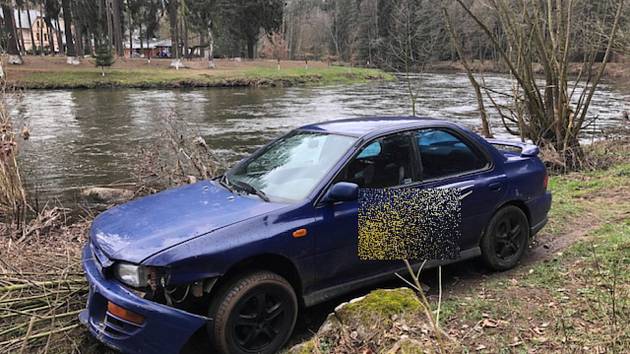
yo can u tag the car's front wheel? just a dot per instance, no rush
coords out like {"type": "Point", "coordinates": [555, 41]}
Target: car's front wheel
{"type": "Point", "coordinates": [253, 313]}
{"type": "Point", "coordinates": [505, 239]}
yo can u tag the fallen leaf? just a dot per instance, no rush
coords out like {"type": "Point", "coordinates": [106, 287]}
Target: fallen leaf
{"type": "Point", "coordinates": [515, 344]}
{"type": "Point", "coordinates": [480, 347]}
{"type": "Point", "coordinates": [488, 323]}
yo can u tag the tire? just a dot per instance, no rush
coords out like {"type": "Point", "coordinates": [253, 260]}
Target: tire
{"type": "Point", "coordinates": [506, 238]}
{"type": "Point", "coordinates": [253, 313]}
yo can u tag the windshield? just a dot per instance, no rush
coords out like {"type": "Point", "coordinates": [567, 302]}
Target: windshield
{"type": "Point", "coordinates": [291, 167]}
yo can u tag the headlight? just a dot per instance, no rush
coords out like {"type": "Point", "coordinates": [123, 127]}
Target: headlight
{"type": "Point", "coordinates": [131, 274]}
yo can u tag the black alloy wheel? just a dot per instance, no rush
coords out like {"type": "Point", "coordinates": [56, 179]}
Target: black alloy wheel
{"type": "Point", "coordinates": [259, 319]}
{"type": "Point", "coordinates": [255, 313]}
{"type": "Point", "coordinates": [506, 238]}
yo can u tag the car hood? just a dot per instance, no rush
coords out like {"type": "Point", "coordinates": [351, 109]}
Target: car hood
{"type": "Point", "coordinates": [137, 230]}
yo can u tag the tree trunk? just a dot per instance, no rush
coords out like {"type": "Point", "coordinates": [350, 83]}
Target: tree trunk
{"type": "Point", "coordinates": [250, 48]}
{"type": "Point", "coordinates": [30, 26]}
{"type": "Point", "coordinates": [58, 36]}
{"type": "Point", "coordinates": [18, 28]}
{"type": "Point", "coordinates": [9, 29]}
{"type": "Point", "coordinates": [78, 43]}
{"type": "Point", "coordinates": [117, 17]}
{"type": "Point", "coordinates": [173, 15]}
{"type": "Point", "coordinates": [41, 31]}
{"type": "Point", "coordinates": [211, 64]}
{"type": "Point", "coordinates": [185, 38]}
{"type": "Point", "coordinates": [130, 33]}
{"type": "Point", "coordinates": [71, 50]}
{"type": "Point", "coordinates": [202, 43]}
{"type": "Point", "coordinates": [49, 32]}
{"type": "Point", "coordinates": [109, 4]}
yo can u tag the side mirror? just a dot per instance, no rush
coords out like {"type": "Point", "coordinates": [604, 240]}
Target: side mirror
{"type": "Point", "coordinates": [342, 192]}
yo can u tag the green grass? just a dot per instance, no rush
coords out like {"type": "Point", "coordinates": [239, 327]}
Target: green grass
{"type": "Point", "coordinates": [582, 293]}
{"type": "Point", "coordinates": [170, 78]}
{"type": "Point", "coordinates": [576, 193]}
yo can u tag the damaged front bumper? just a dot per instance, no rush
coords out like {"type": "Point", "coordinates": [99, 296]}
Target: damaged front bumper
{"type": "Point", "coordinates": [164, 329]}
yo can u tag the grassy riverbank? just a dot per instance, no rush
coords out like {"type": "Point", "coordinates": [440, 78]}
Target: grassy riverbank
{"type": "Point", "coordinates": [54, 73]}
{"type": "Point", "coordinates": [616, 71]}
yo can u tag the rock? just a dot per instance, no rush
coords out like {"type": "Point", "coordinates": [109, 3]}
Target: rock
{"type": "Point", "coordinates": [330, 327]}
{"type": "Point", "coordinates": [107, 195]}
{"type": "Point", "coordinates": [177, 64]}
{"type": "Point", "coordinates": [15, 59]}
{"type": "Point", "coordinates": [370, 317]}
{"type": "Point", "coordinates": [25, 133]}
{"type": "Point", "coordinates": [73, 60]}
{"type": "Point", "coordinates": [303, 348]}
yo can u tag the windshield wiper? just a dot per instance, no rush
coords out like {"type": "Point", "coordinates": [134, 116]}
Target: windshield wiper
{"type": "Point", "coordinates": [223, 180]}
{"type": "Point", "coordinates": [248, 188]}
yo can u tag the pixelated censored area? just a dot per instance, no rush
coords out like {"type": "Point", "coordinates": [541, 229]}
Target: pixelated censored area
{"type": "Point", "coordinates": [409, 223]}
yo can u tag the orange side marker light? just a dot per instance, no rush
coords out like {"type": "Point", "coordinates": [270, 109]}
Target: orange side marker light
{"type": "Point", "coordinates": [124, 313]}
{"type": "Point", "coordinates": [300, 233]}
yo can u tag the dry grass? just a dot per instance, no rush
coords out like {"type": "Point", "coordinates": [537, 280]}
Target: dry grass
{"type": "Point", "coordinates": [613, 149]}
{"type": "Point", "coordinates": [13, 205]}
{"type": "Point", "coordinates": [42, 290]}
{"type": "Point", "coordinates": [179, 156]}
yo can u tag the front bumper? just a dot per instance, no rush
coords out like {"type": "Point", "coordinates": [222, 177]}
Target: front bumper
{"type": "Point", "coordinates": [164, 330]}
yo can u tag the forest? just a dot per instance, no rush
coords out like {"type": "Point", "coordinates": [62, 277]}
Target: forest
{"type": "Point", "coordinates": [359, 32]}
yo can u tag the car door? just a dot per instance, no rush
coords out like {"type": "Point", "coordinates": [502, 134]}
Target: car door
{"type": "Point", "coordinates": [386, 162]}
{"type": "Point", "coordinates": [450, 160]}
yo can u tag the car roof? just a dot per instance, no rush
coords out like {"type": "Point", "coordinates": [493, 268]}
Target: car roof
{"type": "Point", "coordinates": [369, 126]}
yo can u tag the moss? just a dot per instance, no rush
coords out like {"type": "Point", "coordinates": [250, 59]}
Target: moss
{"type": "Point", "coordinates": [411, 347]}
{"type": "Point", "coordinates": [307, 347]}
{"type": "Point", "coordinates": [382, 304]}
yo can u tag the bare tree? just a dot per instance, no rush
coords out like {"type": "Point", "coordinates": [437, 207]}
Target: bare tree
{"type": "Point", "coordinates": [541, 33]}
{"type": "Point", "coordinates": [12, 40]}
{"type": "Point", "coordinates": [279, 47]}
{"type": "Point", "coordinates": [410, 46]}
{"type": "Point", "coordinates": [456, 42]}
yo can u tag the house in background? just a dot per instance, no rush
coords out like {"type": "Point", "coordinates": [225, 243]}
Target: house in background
{"type": "Point", "coordinates": [155, 48]}
{"type": "Point", "coordinates": [42, 34]}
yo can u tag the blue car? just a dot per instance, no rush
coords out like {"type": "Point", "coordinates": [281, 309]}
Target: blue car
{"type": "Point", "coordinates": [235, 258]}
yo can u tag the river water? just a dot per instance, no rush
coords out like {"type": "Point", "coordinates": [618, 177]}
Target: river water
{"type": "Point", "coordinates": [91, 137]}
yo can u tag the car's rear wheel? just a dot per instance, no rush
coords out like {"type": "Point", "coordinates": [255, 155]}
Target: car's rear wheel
{"type": "Point", "coordinates": [505, 239]}
{"type": "Point", "coordinates": [253, 313]}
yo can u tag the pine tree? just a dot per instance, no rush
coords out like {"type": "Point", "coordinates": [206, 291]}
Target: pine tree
{"type": "Point", "coordinates": [104, 56]}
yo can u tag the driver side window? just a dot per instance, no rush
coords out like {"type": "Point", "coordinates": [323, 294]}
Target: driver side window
{"type": "Point", "coordinates": [385, 162]}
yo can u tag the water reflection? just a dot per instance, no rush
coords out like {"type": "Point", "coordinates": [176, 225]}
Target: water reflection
{"type": "Point", "coordinates": [90, 137]}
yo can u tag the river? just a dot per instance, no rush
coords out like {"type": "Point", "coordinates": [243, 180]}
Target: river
{"type": "Point", "coordinates": [91, 137]}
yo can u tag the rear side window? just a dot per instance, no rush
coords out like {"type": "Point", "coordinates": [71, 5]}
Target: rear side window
{"type": "Point", "coordinates": [445, 154]}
